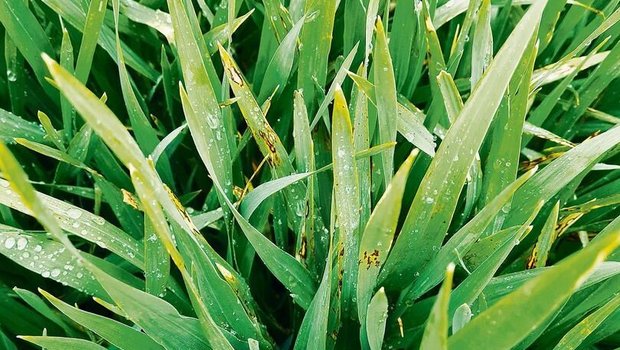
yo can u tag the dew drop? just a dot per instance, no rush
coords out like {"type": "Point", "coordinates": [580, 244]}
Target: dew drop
{"type": "Point", "coordinates": [55, 273]}
{"type": "Point", "coordinates": [74, 213]}
{"type": "Point", "coordinates": [11, 76]}
{"type": "Point", "coordinates": [9, 243]}
{"type": "Point", "coordinates": [22, 243]}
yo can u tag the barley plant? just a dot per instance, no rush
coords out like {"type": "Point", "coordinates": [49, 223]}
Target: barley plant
{"type": "Point", "coordinates": [309, 174]}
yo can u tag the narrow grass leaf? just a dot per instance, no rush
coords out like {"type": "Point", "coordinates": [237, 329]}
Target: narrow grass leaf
{"type": "Point", "coordinates": [268, 141]}
{"type": "Point", "coordinates": [409, 122]}
{"type": "Point", "coordinates": [305, 162]}
{"type": "Point", "coordinates": [313, 330]}
{"type": "Point", "coordinates": [474, 284]}
{"type": "Point", "coordinates": [548, 22]}
{"type": "Point", "coordinates": [27, 34]}
{"type": "Point", "coordinates": [504, 144]}
{"type": "Point", "coordinates": [156, 262]}
{"type": "Point", "coordinates": [159, 320]}
{"type": "Point", "coordinates": [549, 181]}
{"type": "Point", "coordinates": [205, 124]}
{"type": "Point", "coordinates": [60, 343]}
{"type": "Point", "coordinates": [90, 35]}
{"type": "Point", "coordinates": [67, 62]}
{"type": "Point", "coordinates": [544, 294]}
{"type": "Point", "coordinates": [283, 266]}
{"type": "Point", "coordinates": [42, 308]}
{"type": "Point", "coordinates": [281, 64]}
{"type": "Point", "coordinates": [378, 235]}
{"type": "Point", "coordinates": [377, 317]}
{"type": "Point", "coordinates": [346, 194]}
{"type": "Point", "coordinates": [6, 343]}
{"type": "Point", "coordinates": [51, 132]}
{"type": "Point", "coordinates": [402, 39]}
{"type": "Point", "coordinates": [73, 13]}
{"type": "Point", "coordinates": [158, 20]}
{"type": "Point", "coordinates": [47, 258]}
{"type": "Point", "coordinates": [81, 223]}
{"type": "Point", "coordinates": [145, 134]}
{"type": "Point", "coordinates": [221, 33]}
{"type": "Point", "coordinates": [31, 200]}
{"type": "Point", "coordinates": [169, 143]}
{"type": "Point", "coordinates": [338, 80]}
{"type": "Point", "coordinates": [12, 126]}
{"type": "Point", "coordinates": [15, 68]}
{"type": "Point", "coordinates": [315, 44]}
{"type": "Point", "coordinates": [454, 158]}
{"type": "Point", "coordinates": [153, 211]}
{"type": "Point", "coordinates": [545, 239]}
{"type": "Point", "coordinates": [361, 140]}
{"type": "Point", "coordinates": [385, 94]}
{"type": "Point", "coordinates": [436, 330]}
{"type": "Point", "coordinates": [564, 68]}
{"type": "Point", "coordinates": [482, 47]}
{"type": "Point", "coordinates": [117, 333]}
{"type": "Point", "coordinates": [278, 18]}
{"type": "Point", "coordinates": [590, 90]}
{"type": "Point", "coordinates": [462, 240]}
{"type": "Point", "coordinates": [574, 337]}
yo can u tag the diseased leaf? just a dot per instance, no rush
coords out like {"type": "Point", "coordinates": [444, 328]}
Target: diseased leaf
{"type": "Point", "coordinates": [544, 294]}
{"type": "Point", "coordinates": [378, 235]}
{"type": "Point", "coordinates": [347, 201]}
{"type": "Point", "coordinates": [454, 158]}
{"type": "Point", "coordinates": [587, 326]}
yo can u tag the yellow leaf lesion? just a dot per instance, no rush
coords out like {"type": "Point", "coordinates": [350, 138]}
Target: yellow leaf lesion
{"type": "Point", "coordinates": [235, 76]}
{"type": "Point", "coordinates": [271, 140]}
{"type": "Point", "coordinates": [130, 199]}
{"type": "Point", "coordinates": [370, 259]}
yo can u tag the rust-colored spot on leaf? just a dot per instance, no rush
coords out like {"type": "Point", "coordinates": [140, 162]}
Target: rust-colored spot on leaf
{"type": "Point", "coordinates": [270, 138]}
{"type": "Point", "coordinates": [182, 211]}
{"type": "Point", "coordinates": [238, 192]}
{"type": "Point", "coordinates": [532, 259]}
{"type": "Point", "coordinates": [302, 249]}
{"type": "Point", "coordinates": [235, 76]}
{"type": "Point", "coordinates": [129, 198]}
{"type": "Point", "coordinates": [567, 222]}
{"type": "Point", "coordinates": [370, 259]}
{"type": "Point", "coordinates": [530, 164]}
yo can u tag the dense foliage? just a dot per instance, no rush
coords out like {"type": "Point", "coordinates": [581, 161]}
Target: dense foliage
{"type": "Point", "coordinates": [309, 174]}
